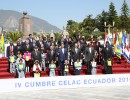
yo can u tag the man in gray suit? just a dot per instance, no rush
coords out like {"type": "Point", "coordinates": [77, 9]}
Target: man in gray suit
{"type": "Point", "coordinates": [89, 55]}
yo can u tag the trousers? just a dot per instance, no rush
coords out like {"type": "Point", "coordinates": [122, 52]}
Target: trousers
{"type": "Point", "coordinates": [52, 73]}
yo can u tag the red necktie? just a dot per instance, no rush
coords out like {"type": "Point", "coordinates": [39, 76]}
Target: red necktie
{"type": "Point", "coordinates": [11, 48]}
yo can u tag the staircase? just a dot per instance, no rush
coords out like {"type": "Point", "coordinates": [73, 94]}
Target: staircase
{"type": "Point", "coordinates": [4, 73]}
{"type": "Point", "coordinates": [119, 67]}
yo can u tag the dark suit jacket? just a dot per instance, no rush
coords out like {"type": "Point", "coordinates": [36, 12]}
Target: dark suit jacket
{"type": "Point", "coordinates": [75, 55]}
{"type": "Point", "coordinates": [63, 56]}
{"type": "Point", "coordinates": [38, 43]}
{"type": "Point", "coordinates": [51, 57]}
{"type": "Point", "coordinates": [88, 55]}
{"type": "Point", "coordinates": [25, 48]}
{"type": "Point", "coordinates": [19, 48]}
{"type": "Point", "coordinates": [30, 40]}
{"type": "Point", "coordinates": [45, 45]}
{"type": "Point", "coordinates": [107, 53]}
{"type": "Point", "coordinates": [8, 51]}
{"type": "Point", "coordinates": [36, 57]}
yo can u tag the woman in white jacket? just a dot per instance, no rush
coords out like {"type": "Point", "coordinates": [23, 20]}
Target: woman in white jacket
{"type": "Point", "coordinates": [37, 69]}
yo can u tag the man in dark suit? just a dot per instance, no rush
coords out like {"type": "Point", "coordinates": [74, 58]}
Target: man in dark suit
{"type": "Point", "coordinates": [39, 42]}
{"type": "Point", "coordinates": [107, 54]}
{"type": "Point", "coordinates": [27, 46]}
{"type": "Point", "coordinates": [30, 38]}
{"type": "Point", "coordinates": [20, 41]}
{"type": "Point", "coordinates": [10, 48]}
{"type": "Point", "coordinates": [89, 55]}
{"type": "Point", "coordinates": [51, 55]}
{"type": "Point", "coordinates": [75, 54]}
{"type": "Point", "coordinates": [36, 55]}
{"type": "Point", "coordinates": [45, 43]}
{"type": "Point", "coordinates": [18, 47]}
{"type": "Point", "coordinates": [63, 55]}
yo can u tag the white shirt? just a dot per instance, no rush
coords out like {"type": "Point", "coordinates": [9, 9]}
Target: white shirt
{"type": "Point", "coordinates": [76, 50]}
{"type": "Point", "coordinates": [90, 50]}
{"type": "Point", "coordinates": [63, 50]}
{"type": "Point", "coordinates": [35, 67]}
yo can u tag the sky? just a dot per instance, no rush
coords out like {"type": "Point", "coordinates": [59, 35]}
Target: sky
{"type": "Point", "coordinates": [58, 12]}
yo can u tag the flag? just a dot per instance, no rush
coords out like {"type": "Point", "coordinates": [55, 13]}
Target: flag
{"type": "Point", "coordinates": [120, 37]}
{"type": "Point", "coordinates": [125, 47]}
{"type": "Point", "coordinates": [123, 40]}
{"type": "Point", "coordinates": [2, 43]}
{"type": "Point", "coordinates": [116, 34]}
{"type": "Point", "coordinates": [107, 38]}
{"type": "Point", "coordinates": [117, 47]}
{"type": "Point", "coordinates": [127, 54]}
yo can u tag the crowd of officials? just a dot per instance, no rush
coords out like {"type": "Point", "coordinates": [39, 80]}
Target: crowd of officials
{"type": "Point", "coordinates": [35, 55]}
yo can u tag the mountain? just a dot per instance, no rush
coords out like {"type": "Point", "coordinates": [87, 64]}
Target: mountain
{"type": "Point", "coordinates": [10, 21]}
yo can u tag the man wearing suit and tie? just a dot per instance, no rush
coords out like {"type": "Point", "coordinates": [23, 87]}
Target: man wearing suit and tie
{"type": "Point", "coordinates": [107, 54]}
{"type": "Point", "coordinates": [39, 42]}
{"type": "Point", "coordinates": [63, 55]}
{"type": "Point", "coordinates": [89, 55]}
{"type": "Point", "coordinates": [36, 55]}
{"type": "Point", "coordinates": [75, 54]}
{"type": "Point", "coordinates": [10, 48]}
{"type": "Point", "coordinates": [51, 55]}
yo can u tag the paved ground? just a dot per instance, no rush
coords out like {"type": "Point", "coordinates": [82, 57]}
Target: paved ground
{"type": "Point", "coordinates": [98, 93]}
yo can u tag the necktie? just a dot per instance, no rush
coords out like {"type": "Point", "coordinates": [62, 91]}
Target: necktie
{"type": "Point", "coordinates": [36, 53]}
{"type": "Point", "coordinates": [76, 50]}
{"type": "Point", "coordinates": [52, 52]}
{"type": "Point", "coordinates": [11, 48]}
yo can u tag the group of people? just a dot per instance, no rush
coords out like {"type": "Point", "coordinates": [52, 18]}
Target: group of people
{"type": "Point", "coordinates": [35, 55]}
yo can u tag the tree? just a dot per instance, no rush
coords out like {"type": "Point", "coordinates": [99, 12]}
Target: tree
{"type": "Point", "coordinates": [89, 24]}
{"type": "Point", "coordinates": [101, 18]}
{"type": "Point", "coordinates": [14, 36]}
{"type": "Point", "coordinates": [124, 16]}
{"type": "Point", "coordinates": [112, 15]}
{"type": "Point", "coordinates": [72, 26]}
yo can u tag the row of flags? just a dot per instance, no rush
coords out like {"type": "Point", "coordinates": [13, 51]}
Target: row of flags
{"type": "Point", "coordinates": [120, 43]}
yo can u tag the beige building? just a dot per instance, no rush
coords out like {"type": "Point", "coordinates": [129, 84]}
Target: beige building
{"type": "Point", "coordinates": [25, 25]}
